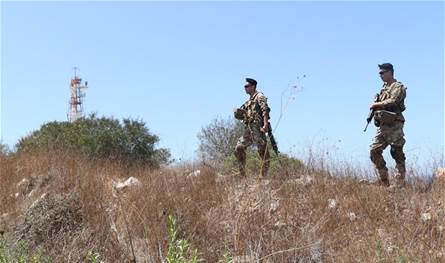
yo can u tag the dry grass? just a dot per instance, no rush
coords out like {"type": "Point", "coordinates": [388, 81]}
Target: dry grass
{"type": "Point", "coordinates": [70, 207]}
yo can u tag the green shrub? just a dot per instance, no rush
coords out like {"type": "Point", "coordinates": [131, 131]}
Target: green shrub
{"type": "Point", "coordinates": [4, 149]}
{"type": "Point", "coordinates": [217, 143]}
{"type": "Point", "coordinates": [379, 250]}
{"type": "Point", "coordinates": [217, 140]}
{"type": "Point", "coordinates": [21, 253]}
{"type": "Point", "coordinates": [99, 138]}
{"type": "Point", "coordinates": [94, 257]}
{"type": "Point", "coordinates": [280, 165]}
{"type": "Point", "coordinates": [179, 250]}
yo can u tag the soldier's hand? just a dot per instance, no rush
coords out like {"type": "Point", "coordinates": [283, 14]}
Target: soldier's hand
{"type": "Point", "coordinates": [375, 105]}
{"type": "Point", "coordinates": [265, 128]}
{"type": "Point", "coordinates": [239, 114]}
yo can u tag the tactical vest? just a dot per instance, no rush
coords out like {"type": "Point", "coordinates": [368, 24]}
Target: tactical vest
{"type": "Point", "coordinates": [385, 94]}
{"type": "Point", "coordinates": [253, 109]}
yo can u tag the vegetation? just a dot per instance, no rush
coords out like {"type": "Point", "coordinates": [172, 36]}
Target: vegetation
{"type": "Point", "coordinates": [68, 208]}
{"type": "Point", "coordinates": [4, 149]}
{"type": "Point", "coordinates": [21, 253]}
{"type": "Point", "coordinates": [94, 257]}
{"type": "Point", "coordinates": [306, 216]}
{"type": "Point", "coordinates": [96, 138]}
{"type": "Point", "coordinates": [280, 166]}
{"type": "Point", "coordinates": [179, 250]}
{"type": "Point", "coordinates": [217, 140]}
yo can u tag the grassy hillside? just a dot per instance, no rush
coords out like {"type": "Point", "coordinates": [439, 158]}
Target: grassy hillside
{"type": "Point", "coordinates": [70, 210]}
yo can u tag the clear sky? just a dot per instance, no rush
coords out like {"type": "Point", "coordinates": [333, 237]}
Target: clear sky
{"type": "Point", "coordinates": [178, 65]}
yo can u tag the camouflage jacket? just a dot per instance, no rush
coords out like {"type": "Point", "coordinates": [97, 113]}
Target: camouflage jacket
{"type": "Point", "coordinates": [393, 98]}
{"type": "Point", "coordinates": [256, 107]}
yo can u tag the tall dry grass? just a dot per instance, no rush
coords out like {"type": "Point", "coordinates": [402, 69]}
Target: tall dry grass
{"type": "Point", "coordinates": [308, 217]}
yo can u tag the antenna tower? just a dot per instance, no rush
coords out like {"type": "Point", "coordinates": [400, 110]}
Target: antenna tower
{"type": "Point", "coordinates": [77, 95]}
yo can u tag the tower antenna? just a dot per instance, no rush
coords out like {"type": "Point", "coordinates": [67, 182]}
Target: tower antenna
{"type": "Point", "coordinates": [77, 96]}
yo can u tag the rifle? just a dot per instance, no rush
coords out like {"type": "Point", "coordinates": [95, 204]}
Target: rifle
{"type": "Point", "coordinates": [240, 114]}
{"type": "Point", "coordinates": [273, 142]}
{"type": "Point", "coordinates": [371, 112]}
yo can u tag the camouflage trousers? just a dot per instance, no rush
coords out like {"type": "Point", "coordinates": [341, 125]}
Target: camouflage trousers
{"type": "Point", "coordinates": [252, 135]}
{"type": "Point", "coordinates": [389, 135]}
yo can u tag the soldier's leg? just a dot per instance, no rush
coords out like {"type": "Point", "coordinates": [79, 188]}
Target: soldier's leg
{"type": "Point", "coordinates": [265, 159]}
{"type": "Point", "coordinates": [399, 156]}
{"type": "Point", "coordinates": [397, 143]}
{"type": "Point", "coordinates": [377, 147]}
{"type": "Point", "coordinates": [259, 138]}
{"type": "Point", "coordinates": [240, 152]}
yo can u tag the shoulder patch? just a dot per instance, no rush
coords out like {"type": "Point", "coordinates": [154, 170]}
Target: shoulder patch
{"type": "Point", "coordinates": [399, 84]}
{"type": "Point", "coordinates": [260, 95]}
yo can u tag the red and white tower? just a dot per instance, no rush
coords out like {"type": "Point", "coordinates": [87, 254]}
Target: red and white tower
{"type": "Point", "coordinates": [77, 95]}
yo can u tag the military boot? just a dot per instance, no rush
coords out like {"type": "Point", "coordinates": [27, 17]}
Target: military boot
{"type": "Point", "coordinates": [400, 172]}
{"type": "Point", "coordinates": [242, 169]}
{"type": "Point", "coordinates": [264, 171]}
{"type": "Point", "coordinates": [241, 159]}
{"type": "Point", "coordinates": [383, 173]}
{"type": "Point", "coordinates": [265, 161]}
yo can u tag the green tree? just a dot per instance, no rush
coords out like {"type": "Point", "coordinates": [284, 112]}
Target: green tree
{"type": "Point", "coordinates": [4, 149]}
{"type": "Point", "coordinates": [217, 140]}
{"type": "Point", "coordinates": [217, 145]}
{"type": "Point", "coordinates": [99, 138]}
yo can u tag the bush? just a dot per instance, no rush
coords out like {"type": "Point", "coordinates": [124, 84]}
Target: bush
{"type": "Point", "coordinates": [4, 149]}
{"type": "Point", "coordinates": [280, 165]}
{"type": "Point", "coordinates": [218, 139]}
{"type": "Point", "coordinates": [104, 138]}
{"type": "Point", "coordinates": [217, 145]}
{"type": "Point", "coordinates": [21, 253]}
{"type": "Point", "coordinates": [94, 257]}
{"type": "Point", "coordinates": [179, 250]}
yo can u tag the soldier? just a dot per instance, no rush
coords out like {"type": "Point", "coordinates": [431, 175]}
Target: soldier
{"type": "Point", "coordinates": [255, 115]}
{"type": "Point", "coordinates": [389, 120]}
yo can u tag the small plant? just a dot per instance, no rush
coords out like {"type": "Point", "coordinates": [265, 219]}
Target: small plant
{"type": "Point", "coordinates": [279, 165]}
{"type": "Point", "coordinates": [401, 256]}
{"type": "Point", "coordinates": [38, 256]}
{"type": "Point", "coordinates": [4, 149]}
{"type": "Point", "coordinates": [94, 257]}
{"type": "Point", "coordinates": [378, 250]}
{"type": "Point", "coordinates": [3, 252]}
{"type": "Point", "coordinates": [21, 253]}
{"type": "Point", "coordinates": [179, 249]}
{"type": "Point", "coordinates": [227, 258]}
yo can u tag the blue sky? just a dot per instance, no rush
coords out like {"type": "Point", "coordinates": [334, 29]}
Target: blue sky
{"type": "Point", "coordinates": [178, 65]}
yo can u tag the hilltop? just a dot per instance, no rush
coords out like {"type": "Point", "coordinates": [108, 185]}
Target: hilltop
{"type": "Point", "coordinates": [76, 211]}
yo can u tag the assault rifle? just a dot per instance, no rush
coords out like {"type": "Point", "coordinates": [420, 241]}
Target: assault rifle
{"type": "Point", "coordinates": [273, 142]}
{"type": "Point", "coordinates": [240, 114]}
{"type": "Point", "coordinates": [371, 113]}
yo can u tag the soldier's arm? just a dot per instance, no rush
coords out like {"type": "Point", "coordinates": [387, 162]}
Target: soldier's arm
{"type": "Point", "coordinates": [397, 95]}
{"type": "Point", "coordinates": [262, 101]}
{"type": "Point", "coordinates": [266, 122]}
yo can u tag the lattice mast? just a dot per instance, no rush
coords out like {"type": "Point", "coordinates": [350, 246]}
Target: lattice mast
{"type": "Point", "coordinates": [77, 95]}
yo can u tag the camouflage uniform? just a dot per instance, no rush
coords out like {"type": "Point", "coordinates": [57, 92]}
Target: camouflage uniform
{"type": "Point", "coordinates": [255, 108]}
{"type": "Point", "coordinates": [390, 133]}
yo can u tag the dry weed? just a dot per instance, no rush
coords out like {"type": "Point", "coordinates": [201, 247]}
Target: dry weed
{"type": "Point", "coordinates": [309, 217]}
